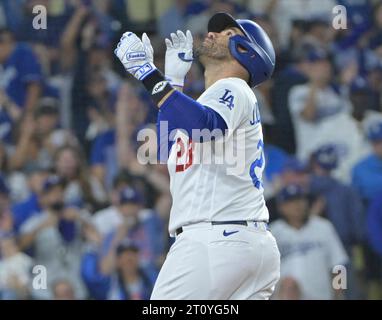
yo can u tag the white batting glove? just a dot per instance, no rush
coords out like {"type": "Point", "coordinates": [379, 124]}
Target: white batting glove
{"type": "Point", "coordinates": [178, 57]}
{"type": "Point", "coordinates": [136, 55]}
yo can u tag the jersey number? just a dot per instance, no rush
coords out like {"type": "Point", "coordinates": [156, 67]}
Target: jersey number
{"type": "Point", "coordinates": [180, 154]}
{"type": "Point", "coordinates": [258, 163]}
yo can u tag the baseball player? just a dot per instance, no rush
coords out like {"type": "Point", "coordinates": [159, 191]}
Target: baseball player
{"type": "Point", "coordinates": [223, 249]}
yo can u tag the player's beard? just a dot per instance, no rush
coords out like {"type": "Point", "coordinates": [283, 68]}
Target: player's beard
{"type": "Point", "coordinates": [211, 50]}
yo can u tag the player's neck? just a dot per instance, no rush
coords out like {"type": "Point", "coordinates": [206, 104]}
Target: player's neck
{"type": "Point", "coordinates": [215, 72]}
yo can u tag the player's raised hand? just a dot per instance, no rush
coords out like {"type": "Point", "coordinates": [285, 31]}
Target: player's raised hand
{"type": "Point", "coordinates": [148, 47]}
{"type": "Point", "coordinates": [136, 55]}
{"type": "Point", "coordinates": [178, 57]}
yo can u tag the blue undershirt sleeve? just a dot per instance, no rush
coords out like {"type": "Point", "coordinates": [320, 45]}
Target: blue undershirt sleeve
{"type": "Point", "coordinates": [182, 112]}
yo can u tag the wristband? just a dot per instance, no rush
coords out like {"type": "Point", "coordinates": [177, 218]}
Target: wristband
{"type": "Point", "coordinates": [156, 84]}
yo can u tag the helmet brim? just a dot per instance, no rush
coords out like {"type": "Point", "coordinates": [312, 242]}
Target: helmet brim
{"type": "Point", "coordinates": [221, 20]}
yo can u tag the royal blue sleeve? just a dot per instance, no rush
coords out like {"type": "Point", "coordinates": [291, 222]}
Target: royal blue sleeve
{"type": "Point", "coordinates": [182, 112]}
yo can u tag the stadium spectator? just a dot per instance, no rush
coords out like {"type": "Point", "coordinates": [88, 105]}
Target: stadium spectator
{"type": "Point", "coordinates": [55, 235]}
{"type": "Point", "coordinates": [139, 159]}
{"type": "Point", "coordinates": [198, 21]}
{"type": "Point", "coordinates": [359, 12]}
{"type": "Point", "coordinates": [288, 289]}
{"type": "Point", "coordinates": [39, 137]}
{"type": "Point", "coordinates": [293, 74]}
{"type": "Point", "coordinates": [142, 225]}
{"type": "Point", "coordinates": [15, 270]}
{"type": "Point", "coordinates": [277, 160]}
{"type": "Point", "coordinates": [318, 109]}
{"type": "Point", "coordinates": [10, 113]}
{"type": "Point", "coordinates": [101, 106]}
{"type": "Point", "coordinates": [373, 52]}
{"type": "Point", "coordinates": [283, 12]}
{"type": "Point", "coordinates": [21, 74]}
{"type": "Point", "coordinates": [48, 126]}
{"type": "Point", "coordinates": [309, 245]}
{"type": "Point", "coordinates": [373, 252]}
{"type": "Point", "coordinates": [3, 158]}
{"type": "Point", "coordinates": [342, 204]}
{"type": "Point", "coordinates": [80, 186]}
{"type": "Point", "coordinates": [362, 98]}
{"type": "Point", "coordinates": [6, 220]}
{"type": "Point", "coordinates": [116, 274]}
{"type": "Point", "coordinates": [108, 219]}
{"type": "Point", "coordinates": [374, 224]}
{"type": "Point", "coordinates": [11, 14]}
{"type": "Point", "coordinates": [63, 290]}
{"type": "Point", "coordinates": [367, 174]}
{"type": "Point", "coordinates": [131, 113]}
{"type": "Point", "coordinates": [175, 17]}
{"type": "Point", "coordinates": [24, 209]}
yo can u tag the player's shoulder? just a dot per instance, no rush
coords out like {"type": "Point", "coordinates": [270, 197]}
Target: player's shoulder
{"type": "Point", "coordinates": [229, 89]}
{"type": "Point", "coordinates": [234, 83]}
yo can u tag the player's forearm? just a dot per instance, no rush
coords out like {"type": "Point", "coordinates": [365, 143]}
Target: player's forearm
{"type": "Point", "coordinates": [179, 110]}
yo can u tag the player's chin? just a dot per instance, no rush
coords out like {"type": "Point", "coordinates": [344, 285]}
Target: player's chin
{"type": "Point", "coordinates": [200, 51]}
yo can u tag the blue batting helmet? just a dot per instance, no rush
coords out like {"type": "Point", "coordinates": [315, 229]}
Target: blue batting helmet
{"type": "Point", "coordinates": [257, 55]}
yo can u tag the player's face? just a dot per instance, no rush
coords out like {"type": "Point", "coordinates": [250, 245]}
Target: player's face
{"type": "Point", "coordinates": [215, 46]}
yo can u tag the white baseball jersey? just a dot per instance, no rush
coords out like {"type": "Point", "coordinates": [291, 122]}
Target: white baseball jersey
{"type": "Point", "coordinates": [309, 254]}
{"type": "Point", "coordinates": [205, 182]}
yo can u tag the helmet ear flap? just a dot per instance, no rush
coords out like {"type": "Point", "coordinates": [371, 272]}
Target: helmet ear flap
{"type": "Point", "coordinates": [243, 51]}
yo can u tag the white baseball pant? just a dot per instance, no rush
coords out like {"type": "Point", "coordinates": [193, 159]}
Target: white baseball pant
{"type": "Point", "coordinates": [213, 262]}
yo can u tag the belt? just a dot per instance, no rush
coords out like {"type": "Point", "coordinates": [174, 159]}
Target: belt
{"type": "Point", "coordinates": [216, 223]}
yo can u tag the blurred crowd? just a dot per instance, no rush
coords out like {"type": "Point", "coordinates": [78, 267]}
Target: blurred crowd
{"type": "Point", "coordinates": [75, 199]}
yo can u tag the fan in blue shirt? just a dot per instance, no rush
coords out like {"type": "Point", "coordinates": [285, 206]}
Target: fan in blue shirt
{"type": "Point", "coordinates": [20, 71]}
{"type": "Point", "coordinates": [367, 174]}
